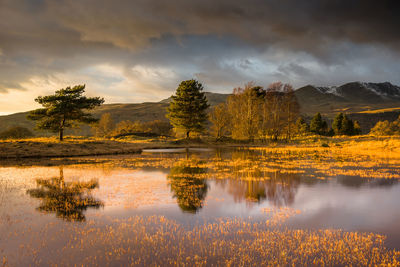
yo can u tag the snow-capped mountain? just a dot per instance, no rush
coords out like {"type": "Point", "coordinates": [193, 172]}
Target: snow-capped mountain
{"type": "Point", "coordinates": [362, 91]}
{"type": "Point", "coordinates": [349, 97]}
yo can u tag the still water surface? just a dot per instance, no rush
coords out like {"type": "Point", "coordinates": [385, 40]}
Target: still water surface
{"type": "Point", "coordinates": [46, 205]}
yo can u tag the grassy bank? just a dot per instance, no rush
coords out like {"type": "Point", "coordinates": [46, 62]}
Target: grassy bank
{"type": "Point", "coordinates": [76, 146]}
{"type": "Point", "coordinates": [51, 147]}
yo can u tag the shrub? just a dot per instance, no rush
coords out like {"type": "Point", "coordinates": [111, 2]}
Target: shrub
{"type": "Point", "coordinates": [156, 127]}
{"type": "Point", "coordinates": [16, 132]}
{"type": "Point", "coordinates": [386, 128]}
{"type": "Point", "coordinates": [104, 126]}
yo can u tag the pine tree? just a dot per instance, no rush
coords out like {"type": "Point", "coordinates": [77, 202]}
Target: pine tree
{"type": "Point", "coordinates": [337, 124]}
{"type": "Point", "coordinates": [318, 125]}
{"type": "Point", "coordinates": [301, 126]}
{"type": "Point", "coordinates": [64, 109]}
{"type": "Point", "coordinates": [347, 127]}
{"type": "Point", "coordinates": [187, 110]}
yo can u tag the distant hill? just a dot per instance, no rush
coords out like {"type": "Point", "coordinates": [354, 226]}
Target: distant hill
{"type": "Point", "coordinates": [144, 112]}
{"type": "Point", "coordinates": [349, 98]}
{"type": "Point", "coordinates": [366, 102]}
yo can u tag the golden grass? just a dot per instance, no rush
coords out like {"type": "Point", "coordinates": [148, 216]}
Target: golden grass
{"type": "Point", "coordinates": [368, 159]}
{"type": "Point", "coordinates": [71, 146]}
{"type": "Point", "coordinates": [82, 146]}
{"type": "Point", "coordinates": [158, 241]}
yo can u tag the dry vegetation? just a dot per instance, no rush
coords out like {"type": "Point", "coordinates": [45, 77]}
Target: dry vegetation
{"type": "Point", "coordinates": [72, 146]}
{"type": "Point", "coordinates": [81, 146]}
{"type": "Point", "coordinates": [156, 241]}
{"type": "Point", "coordinates": [368, 158]}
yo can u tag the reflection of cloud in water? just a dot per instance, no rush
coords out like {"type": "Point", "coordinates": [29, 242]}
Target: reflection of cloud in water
{"type": "Point", "coordinates": [348, 207]}
{"type": "Point", "coordinates": [130, 189]}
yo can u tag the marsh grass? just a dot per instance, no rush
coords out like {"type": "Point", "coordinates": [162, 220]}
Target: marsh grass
{"type": "Point", "coordinates": [158, 241]}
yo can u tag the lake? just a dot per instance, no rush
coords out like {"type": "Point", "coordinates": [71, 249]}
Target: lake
{"type": "Point", "coordinates": [242, 206]}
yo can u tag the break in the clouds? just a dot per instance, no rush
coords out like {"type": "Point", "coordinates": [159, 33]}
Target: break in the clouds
{"type": "Point", "coordinates": [139, 50]}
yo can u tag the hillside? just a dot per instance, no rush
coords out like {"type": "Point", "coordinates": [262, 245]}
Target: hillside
{"type": "Point", "coordinates": [144, 112]}
{"type": "Point", "coordinates": [350, 98]}
{"type": "Point", "coordinates": [365, 102]}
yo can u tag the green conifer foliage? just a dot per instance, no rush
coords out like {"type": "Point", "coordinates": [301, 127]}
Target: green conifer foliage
{"type": "Point", "coordinates": [187, 110]}
{"type": "Point", "coordinates": [64, 109]}
{"type": "Point", "coordinates": [347, 127]}
{"type": "Point", "coordinates": [318, 125]}
{"type": "Point", "coordinates": [337, 124]}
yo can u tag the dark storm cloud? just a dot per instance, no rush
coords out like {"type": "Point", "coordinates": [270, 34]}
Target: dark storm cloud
{"type": "Point", "coordinates": [297, 24]}
{"type": "Point", "coordinates": [223, 43]}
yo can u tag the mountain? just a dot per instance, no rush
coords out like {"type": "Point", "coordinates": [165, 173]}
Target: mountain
{"type": "Point", "coordinates": [350, 97]}
{"type": "Point", "coordinates": [366, 102]}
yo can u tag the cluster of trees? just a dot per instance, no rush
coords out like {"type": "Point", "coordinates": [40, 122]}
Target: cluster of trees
{"type": "Point", "coordinates": [106, 127]}
{"type": "Point", "coordinates": [253, 113]}
{"type": "Point", "coordinates": [386, 128]}
{"type": "Point", "coordinates": [342, 125]}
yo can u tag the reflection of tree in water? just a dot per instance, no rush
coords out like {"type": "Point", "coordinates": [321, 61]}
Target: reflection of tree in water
{"type": "Point", "coordinates": [67, 200]}
{"type": "Point", "coordinates": [188, 186]}
{"type": "Point", "coordinates": [249, 190]}
{"type": "Point", "coordinates": [251, 183]}
{"type": "Point", "coordinates": [280, 189]}
{"type": "Point", "coordinates": [248, 177]}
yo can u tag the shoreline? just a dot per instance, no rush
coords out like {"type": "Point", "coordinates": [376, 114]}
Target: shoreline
{"type": "Point", "coordinates": [83, 147]}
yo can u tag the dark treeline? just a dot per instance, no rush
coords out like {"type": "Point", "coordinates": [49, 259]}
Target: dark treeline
{"type": "Point", "coordinates": [341, 125]}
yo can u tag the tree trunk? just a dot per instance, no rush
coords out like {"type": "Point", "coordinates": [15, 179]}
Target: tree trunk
{"type": "Point", "coordinates": [62, 129]}
{"type": "Point", "coordinates": [61, 134]}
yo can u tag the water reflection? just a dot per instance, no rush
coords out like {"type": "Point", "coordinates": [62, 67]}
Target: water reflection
{"type": "Point", "coordinates": [357, 182]}
{"type": "Point", "coordinates": [67, 200]}
{"type": "Point", "coordinates": [249, 176]}
{"type": "Point", "coordinates": [280, 189]}
{"type": "Point", "coordinates": [188, 184]}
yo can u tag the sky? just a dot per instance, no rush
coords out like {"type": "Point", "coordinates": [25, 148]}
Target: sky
{"type": "Point", "coordinates": [132, 51]}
